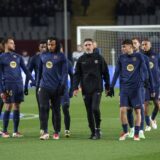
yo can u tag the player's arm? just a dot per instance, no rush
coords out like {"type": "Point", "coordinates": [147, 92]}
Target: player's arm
{"type": "Point", "coordinates": [2, 85]}
{"type": "Point", "coordinates": [151, 82]}
{"type": "Point", "coordinates": [105, 75]}
{"type": "Point", "coordinates": [30, 68]}
{"type": "Point", "coordinates": [115, 77]}
{"type": "Point", "coordinates": [39, 73]}
{"type": "Point", "coordinates": [28, 74]}
{"type": "Point", "coordinates": [62, 85]}
{"type": "Point", "coordinates": [70, 72]}
{"type": "Point", "coordinates": [76, 77]}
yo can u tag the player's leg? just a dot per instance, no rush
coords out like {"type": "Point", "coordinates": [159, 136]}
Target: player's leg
{"type": "Point", "coordinates": [96, 99]}
{"type": "Point", "coordinates": [56, 101]}
{"type": "Point", "coordinates": [8, 107]}
{"type": "Point", "coordinates": [1, 107]}
{"type": "Point", "coordinates": [137, 102]}
{"type": "Point", "coordinates": [154, 114]}
{"type": "Point", "coordinates": [37, 98]}
{"type": "Point", "coordinates": [124, 103]}
{"type": "Point", "coordinates": [17, 97]}
{"type": "Point", "coordinates": [67, 119]}
{"type": "Point", "coordinates": [44, 107]}
{"type": "Point", "coordinates": [137, 123]}
{"type": "Point", "coordinates": [146, 113]}
{"type": "Point", "coordinates": [130, 122]}
{"type": "Point", "coordinates": [88, 104]}
{"type": "Point", "coordinates": [146, 109]}
{"type": "Point", "coordinates": [16, 120]}
{"type": "Point", "coordinates": [141, 132]}
{"type": "Point", "coordinates": [65, 102]}
{"type": "Point", "coordinates": [124, 122]}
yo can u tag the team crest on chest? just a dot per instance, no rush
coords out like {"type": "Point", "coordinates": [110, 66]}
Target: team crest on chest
{"type": "Point", "coordinates": [151, 65]}
{"type": "Point", "coordinates": [130, 67]}
{"type": "Point", "coordinates": [49, 64]}
{"type": "Point", "coordinates": [13, 64]}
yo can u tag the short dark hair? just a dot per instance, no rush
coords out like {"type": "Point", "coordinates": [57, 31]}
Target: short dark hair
{"type": "Point", "coordinates": [58, 44]}
{"type": "Point", "coordinates": [88, 39]}
{"type": "Point", "coordinates": [1, 39]}
{"type": "Point", "coordinates": [127, 41]}
{"type": "Point", "coordinates": [136, 38]}
{"type": "Point", "coordinates": [42, 42]}
{"type": "Point", "coordinates": [5, 40]}
{"type": "Point", "coordinates": [146, 39]}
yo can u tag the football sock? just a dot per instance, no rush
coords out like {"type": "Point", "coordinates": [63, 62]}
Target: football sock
{"type": "Point", "coordinates": [6, 120]}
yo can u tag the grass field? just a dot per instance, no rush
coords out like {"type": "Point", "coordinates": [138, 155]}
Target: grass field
{"type": "Point", "coordinates": [78, 146]}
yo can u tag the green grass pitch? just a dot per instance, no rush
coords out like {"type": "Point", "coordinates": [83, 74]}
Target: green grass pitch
{"type": "Point", "coordinates": [78, 146]}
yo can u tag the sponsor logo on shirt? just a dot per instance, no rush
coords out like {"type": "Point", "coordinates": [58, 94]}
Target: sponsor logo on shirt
{"type": "Point", "coordinates": [55, 57]}
{"type": "Point", "coordinates": [130, 67]}
{"type": "Point", "coordinates": [134, 58]}
{"type": "Point", "coordinates": [13, 64]}
{"type": "Point", "coordinates": [151, 65]}
{"type": "Point", "coordinates": [49, 64]}
{"type": "Point", "coordinates": [96, 61]}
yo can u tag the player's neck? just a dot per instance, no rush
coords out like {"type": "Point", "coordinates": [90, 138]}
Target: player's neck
{"type": "Point", "coordinates": [7, 50]}
{"type": "Point", "coordinates": [130, 53]}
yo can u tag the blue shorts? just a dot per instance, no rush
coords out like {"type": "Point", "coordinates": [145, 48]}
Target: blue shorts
{"type": "Point", "coordinates": [148, 94]}
{"type": "Point", "coordinates": [14, 92]}
{"type": "Point", "coordinates": [131, 98]}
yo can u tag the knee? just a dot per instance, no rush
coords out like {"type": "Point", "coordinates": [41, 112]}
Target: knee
{"type": "Point", "coordinates": [123, 110]}
{"type": "Point", "coordinates": [8, 107]}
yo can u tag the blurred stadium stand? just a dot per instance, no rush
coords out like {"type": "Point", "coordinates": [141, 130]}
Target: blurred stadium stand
{"type": "Point", "coordinates": [137, 12]}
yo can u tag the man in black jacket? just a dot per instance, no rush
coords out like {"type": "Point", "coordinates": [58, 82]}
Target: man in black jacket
{"type": "Point", "coordinates": [91, 70]}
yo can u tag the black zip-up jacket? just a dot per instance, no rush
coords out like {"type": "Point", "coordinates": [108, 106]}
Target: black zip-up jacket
{"type": "Point", "coordinates": [91, 70]}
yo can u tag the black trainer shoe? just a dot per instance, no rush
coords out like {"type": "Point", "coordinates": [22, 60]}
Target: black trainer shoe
{"type": "Point", "coordinates": [93, 137]}
{"type": "Point", "coordinates": [98, 133]}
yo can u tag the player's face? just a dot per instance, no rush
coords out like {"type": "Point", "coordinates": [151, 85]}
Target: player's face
{"type": "Point", "coordinates": [136, 44]}
{"type": "Point", "coordinates": [1, 48]}
{"type": "Point", "coordinates": [88, 47]}
{"type": "Point", "coordinates": [127, 49]}
{"type": "Point", "coordinates": [51, 45]}
{"type": "Point", "coordinates": [43, 47]}
{"type": "Point", "coordinates": [10, 45]}
{"type": "Point", "coordinates": [146, 45]}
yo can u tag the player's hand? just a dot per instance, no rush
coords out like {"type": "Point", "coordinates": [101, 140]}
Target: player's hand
{"type": "Point", "coordinates": [153, 95]}
{"type": "Point", "coordinates": [26, 91]}
{"type": "Point", "coordinates": [111, 92]}
{"type": "Point", "coordinates": [4, 97]}
{"type": "Point", "coordinates": [107, 92]}
{"type": "Point", "coordinates": [33, 83]}
{"type": "Point", "coordinates": [75, 92]}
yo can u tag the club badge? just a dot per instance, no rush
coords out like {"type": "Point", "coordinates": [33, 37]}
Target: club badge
{"type": "Point", "coordinates": [151, 65]}
{"type": "Point", "coordinates": [13, 64]}
{"type": "Point", "coordinates": [130, 67]}
{"type": "Point", "coordinates": [49, 64]}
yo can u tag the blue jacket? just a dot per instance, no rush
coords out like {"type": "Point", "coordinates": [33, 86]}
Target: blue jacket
{"type": "Point", "coordinates": [52, 70]}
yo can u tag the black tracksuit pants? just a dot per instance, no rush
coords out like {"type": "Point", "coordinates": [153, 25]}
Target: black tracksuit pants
{"type": "Point", "coordinates": [92, 104]}
{"type": "Point", "coordinates": [47, 97]}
